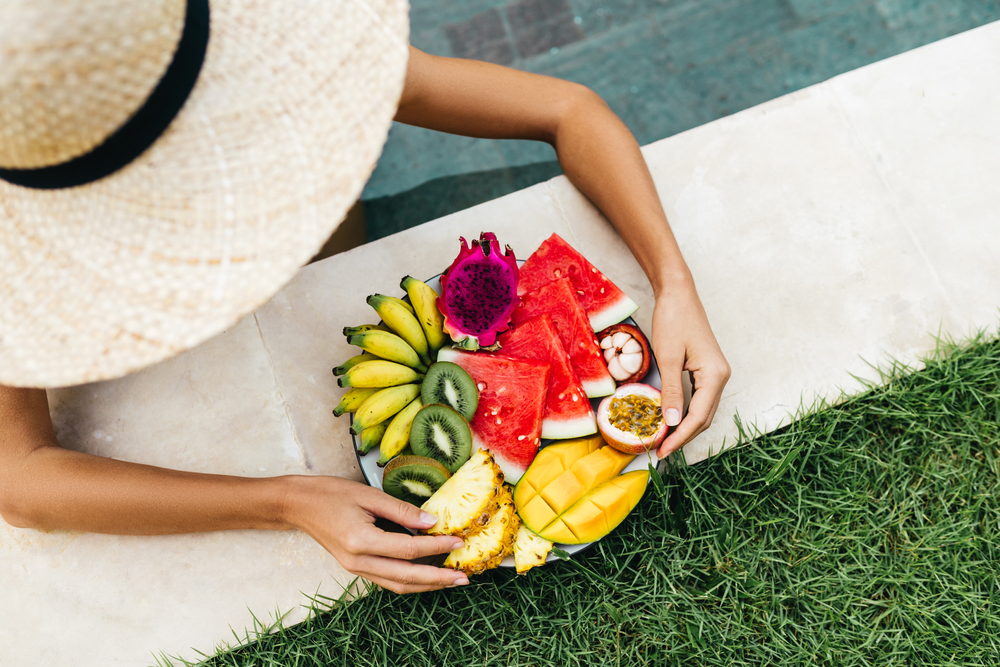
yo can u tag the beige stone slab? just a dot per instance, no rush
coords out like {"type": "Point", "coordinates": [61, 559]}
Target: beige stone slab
{"type": "Point", "coordinates": [85, 599]}
{"type": "Point", "coordinates": [929, 121]}
{"type": "Point", "coordinates": [801, 260]}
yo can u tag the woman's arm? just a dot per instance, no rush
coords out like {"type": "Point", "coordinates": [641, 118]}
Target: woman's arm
{"type": "Point", "coordinates": [45, 486]}
{"type": "Point", "coordinates": [602, 159]}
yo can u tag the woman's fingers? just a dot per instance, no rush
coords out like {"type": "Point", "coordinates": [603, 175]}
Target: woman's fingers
{"type": "Point", "coordinates": [377, 542]}
{"type": "Point", "coordinates": [403, 577]}
{"type": "Point", "coordinates": [704, 403]}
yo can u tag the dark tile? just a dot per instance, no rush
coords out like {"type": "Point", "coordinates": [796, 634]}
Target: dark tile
{"type": "Point", "coordinates": [483, 37]}
{"type": "Point", "coordinates": [442, 196]}
{"type": "Point", "coordinates": [427, 14]}
{"type": "Point", "coordinates": [825, 49]}
{"type": "Point", "coordinates": [541, 25]}
{"type": "Point", "coordinates": [701, 32]}
{"type": "Point", "coordinates": [918, 22]}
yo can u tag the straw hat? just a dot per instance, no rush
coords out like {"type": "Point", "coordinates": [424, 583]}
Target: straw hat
{"type": "Point", "coordinates": [123, 243]}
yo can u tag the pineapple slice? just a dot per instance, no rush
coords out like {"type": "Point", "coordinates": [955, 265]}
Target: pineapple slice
{"type": "Point", "coordinates": [487, 548]}
{"type": "Point", "coordinates": [530, 550]}
{"type": "Point", "coordinates": [467, 499]}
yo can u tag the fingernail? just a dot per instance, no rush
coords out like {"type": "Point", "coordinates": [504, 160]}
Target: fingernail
{"type": "Point", "coordinates": [457, 545]}
{"type": "Point", "coordinates": [428, 519]}
{"type": "Point", "coordinates": [459, 582]}
{"type": "Point", "coordinates": [673, 416]}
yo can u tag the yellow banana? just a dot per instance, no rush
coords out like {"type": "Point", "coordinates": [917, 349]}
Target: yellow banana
{"type": "Point", "coordinates": [402, 303]}
{"type": "Point", "coordinates": [424, 300]}
{"type": "Point", "coordinates": [352, 362]}
{"type": "Point", "coordinates": [372, 436]}
{"type": "Point", "coordinates": [352, 400]}
{"type": "Point", "coordinates": [402, 321]}
{"type": "Point", "coordinates": [383, 404]}
{"type": "Point", "coordinates": [378, 373]}
{"type": "Point", "coordinates": [361, 328]}
{"type": "Point", "coordinates": [397, 435]}
{"type": "Point", "coordinates": [388, 346]}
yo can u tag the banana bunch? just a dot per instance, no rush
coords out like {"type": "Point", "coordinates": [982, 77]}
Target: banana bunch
{"type": "Point", "coordinates": [384, 379]}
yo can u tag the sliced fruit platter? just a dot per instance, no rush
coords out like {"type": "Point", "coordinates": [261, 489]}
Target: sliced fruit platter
{"type": "Point", "coordinates": [516, 401]}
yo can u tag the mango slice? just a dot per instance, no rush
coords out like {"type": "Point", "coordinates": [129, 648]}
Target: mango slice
{"type": "Point", "coordinates": [557, 481]}
{"type": "Point", "coordinates": [598, 512]}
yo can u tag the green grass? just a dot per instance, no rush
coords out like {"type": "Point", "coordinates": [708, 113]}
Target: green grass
{"type": "Point", "coordinates": [867, 533]}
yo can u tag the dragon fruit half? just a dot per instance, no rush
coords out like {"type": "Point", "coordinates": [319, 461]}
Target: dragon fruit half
{"type": "Point", "coordinates": [479, 293]}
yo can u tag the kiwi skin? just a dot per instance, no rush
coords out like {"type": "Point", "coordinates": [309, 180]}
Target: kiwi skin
{"type": "Point", "coordinates": [431, 389]}
{"type": "Point", "coordinates": [455, 421]}
{"type": "Point", "coordinates": [400, 463]}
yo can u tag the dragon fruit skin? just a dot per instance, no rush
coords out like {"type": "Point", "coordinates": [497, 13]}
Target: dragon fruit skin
{"type": "Point", "coordinates": [479, 292]}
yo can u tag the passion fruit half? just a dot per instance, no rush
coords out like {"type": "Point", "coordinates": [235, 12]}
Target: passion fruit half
{"type": "Point", "coordinates": [631, 419]}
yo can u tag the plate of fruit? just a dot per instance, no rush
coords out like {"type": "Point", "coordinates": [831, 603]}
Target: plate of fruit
{"type": "Point", "coordinates": [516, 401]}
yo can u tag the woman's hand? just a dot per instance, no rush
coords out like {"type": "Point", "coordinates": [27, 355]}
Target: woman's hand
{"type": "Point", "coordinates": [340, 515]}
{"type": "Point", "coordinates": [683, 341]}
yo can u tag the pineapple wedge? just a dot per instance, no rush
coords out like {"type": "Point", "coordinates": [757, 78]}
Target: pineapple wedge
{"type": "Point", "coordinates": [466, 501]}
{"type": "Point", "coordinates": [530, 550]}
{"type": "Point", "coordinates": [487, 548]}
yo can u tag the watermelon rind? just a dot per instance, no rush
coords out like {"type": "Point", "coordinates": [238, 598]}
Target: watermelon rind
{"type": "Point", "coordinates": [562, 429]}
{"type": "Point", "coordinates": [598, 388]}
{"type": "Point", "coordinates": [614, 313]}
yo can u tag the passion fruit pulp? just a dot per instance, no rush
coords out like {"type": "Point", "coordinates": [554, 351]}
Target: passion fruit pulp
{"type": "Point", "coordinates": [631, 419]}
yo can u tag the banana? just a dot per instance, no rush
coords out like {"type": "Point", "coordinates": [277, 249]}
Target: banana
{"type": "Point", "coordinates": [352, 400]}
{"type": "Point", "coordinates": [424, 300]}
{"type": "Point", "coordinates": [388, 346]}
{"type": "Point", "coordinates": [352, 362]}
{"type": "Point", "coordinates": [397, 435]}
{"type": "Point", "coordinates": [361, 328]}
{"type": "Point", "coordinates": [378, 373]}
{"type": "Point", "coordinates": [401, 320]}
{"type": "Point", "coordinates": [402, 303]}
{"type": "Point", "coordinates": [383, 404]}
{"type": "Point", "coordinates": [372, 436]}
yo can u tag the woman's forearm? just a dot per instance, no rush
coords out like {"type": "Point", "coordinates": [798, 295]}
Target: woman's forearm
{"type": "Point", "coordinates": [55, 488]}
{"type": "Point", "coordinates": [45, 486]}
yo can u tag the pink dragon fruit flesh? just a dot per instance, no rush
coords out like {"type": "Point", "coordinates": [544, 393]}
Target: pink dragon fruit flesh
{"type": "Point", "coordinates": [479, 293]}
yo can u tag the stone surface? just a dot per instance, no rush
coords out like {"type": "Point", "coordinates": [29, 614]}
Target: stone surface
{"type": "Point", "coordinates": [828, 230]}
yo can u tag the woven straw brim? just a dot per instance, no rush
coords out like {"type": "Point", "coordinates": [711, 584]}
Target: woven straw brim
{"type": "Point", "coordinates": [275, 143]}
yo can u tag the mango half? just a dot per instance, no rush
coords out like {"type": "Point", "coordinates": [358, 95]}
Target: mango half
{"type": "Point", "coordinates": [573, 494]}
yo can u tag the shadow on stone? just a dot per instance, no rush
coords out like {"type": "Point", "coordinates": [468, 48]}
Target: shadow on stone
{"type": "Point", "coordinates": [441, 196]}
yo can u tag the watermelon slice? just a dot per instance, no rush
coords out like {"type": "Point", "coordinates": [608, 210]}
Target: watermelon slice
{"type": "Point", "coordinates": [604, 302]}
{"type": "Point", "coordinates": [559, 300]}
{"type": "Point", "coordinates": [568, 413]}
{"type": "Point", "coordinates": [508, 420]}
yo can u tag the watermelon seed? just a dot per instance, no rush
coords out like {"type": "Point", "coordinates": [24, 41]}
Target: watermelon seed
{"type": "Point", "coordinates": [482, 386]}
{"type": "Point", "coordinates": [602, 290]}
{"type": "Point", "coordinates": [521, 437]}
{"type": "Point", "coordinates": [558, 273]}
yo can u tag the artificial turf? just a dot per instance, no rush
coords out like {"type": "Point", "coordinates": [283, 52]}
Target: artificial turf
{"type": "Point", "coordinates": [867, 533]}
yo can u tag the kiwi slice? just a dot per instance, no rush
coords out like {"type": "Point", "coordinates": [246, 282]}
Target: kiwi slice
{"type": "Point", "coordinates": [441, 433]}
{"type": "Point", "coordinates": [413, 479]}
{"type": "Point", "coordinates": [449, 384]}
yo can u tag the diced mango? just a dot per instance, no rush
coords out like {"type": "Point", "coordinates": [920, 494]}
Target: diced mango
{"type": "Point", "coordinates": [550, 462]}
{"type": "Point", "coordinates": [563, 491]}
{"type": "Point", "coordinates": [558, 531]}
{"type": "Point", "coordinates": [536, 513]}
{"type": "Point", "coordinates": [600, 511]}
{"type": "Point", "coordinates": [600, 465]}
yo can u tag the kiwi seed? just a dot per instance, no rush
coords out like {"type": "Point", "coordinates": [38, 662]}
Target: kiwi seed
{"type": "Point", "coordinates": [449, 384]}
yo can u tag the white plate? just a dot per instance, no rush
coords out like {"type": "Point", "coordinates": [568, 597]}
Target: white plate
{"type": "Point", "coordinates": [373, 473]}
